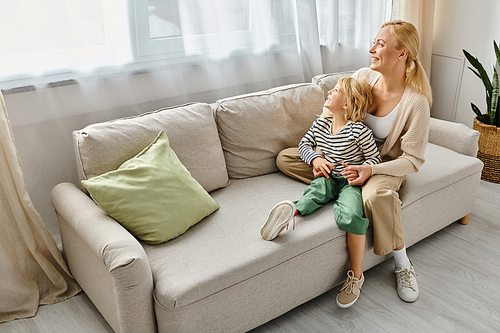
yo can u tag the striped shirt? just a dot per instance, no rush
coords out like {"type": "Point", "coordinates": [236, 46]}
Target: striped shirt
{"type": "Point", "coordinates": [353, 144]}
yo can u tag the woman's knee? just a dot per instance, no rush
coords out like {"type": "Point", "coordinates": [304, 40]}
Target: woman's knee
{"type": "Point", "coordinates": [280, 160]}
{"type": "Point", "coordinates": [287, 156]}
{"type": "Point", "coordinates": [290, 163]}
{"type": "Point", "coordinates": [378, 190]}
{"type": "Point", "coordinates": [369, 196]}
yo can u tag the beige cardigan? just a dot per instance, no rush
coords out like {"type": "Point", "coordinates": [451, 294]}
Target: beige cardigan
{"type": "Point", "coordinates": [404, 147]}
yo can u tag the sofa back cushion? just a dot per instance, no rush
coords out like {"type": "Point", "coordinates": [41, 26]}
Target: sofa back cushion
{"type": "Point", "coordinates": [254, 128]}
{"type": "Point", "coordinates": [328, 81]}
{"type": "Point", "coordinates": [191, 129]}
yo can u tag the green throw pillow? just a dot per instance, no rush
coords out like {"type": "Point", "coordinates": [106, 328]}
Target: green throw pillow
{"type": "Point", "coordinates": [152, 195]}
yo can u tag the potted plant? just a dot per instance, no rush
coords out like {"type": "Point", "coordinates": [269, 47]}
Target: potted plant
{"type": "Point", "coordinates": [488, 124]}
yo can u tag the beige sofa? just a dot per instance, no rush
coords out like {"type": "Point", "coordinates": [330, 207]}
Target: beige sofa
{"type": "Point", "coordinates": [221, 276]}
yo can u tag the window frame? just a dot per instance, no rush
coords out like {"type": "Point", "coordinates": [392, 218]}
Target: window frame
{"type": "Point", "coordinates": [216, 44]}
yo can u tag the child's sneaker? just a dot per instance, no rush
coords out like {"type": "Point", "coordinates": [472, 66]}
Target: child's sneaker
{"type": "Point", "coordinates": [349, 293]}
{"type": "Point", "coordinates": [279, 218]}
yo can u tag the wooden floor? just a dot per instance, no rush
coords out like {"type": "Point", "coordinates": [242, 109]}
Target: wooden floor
{"type": "Point", "coordinates": [458, 275]}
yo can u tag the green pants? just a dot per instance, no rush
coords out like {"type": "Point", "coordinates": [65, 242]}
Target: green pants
{"type": "Point", "coordinates": [349, 205]}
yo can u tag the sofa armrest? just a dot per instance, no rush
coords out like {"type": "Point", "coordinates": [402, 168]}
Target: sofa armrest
{"type": "Point", "coordinates": [108, 262]}
{"type": "Point", "coordinates": [454, 136]}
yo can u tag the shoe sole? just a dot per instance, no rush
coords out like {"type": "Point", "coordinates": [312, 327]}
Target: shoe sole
{"type": "Point", "coordinates": [276, 221]}
{"type": "Point", "coordinates": [345, 306]}
{"type": "Point", "coordinates": [406, 300]}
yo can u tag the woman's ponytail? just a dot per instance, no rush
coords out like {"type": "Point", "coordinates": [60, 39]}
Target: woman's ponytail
{"type": "Point", "coordinates": [407, 38]}
{"type": "Point", "coordinates": [417, 79]}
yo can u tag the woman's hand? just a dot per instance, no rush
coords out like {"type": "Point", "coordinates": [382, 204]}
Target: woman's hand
{"type": "Point", "coordinates": [348, 173]}
{"type": "Point", "coordinates": [321, 167]}
{"type": "Point", "coordinates": [356, 174]}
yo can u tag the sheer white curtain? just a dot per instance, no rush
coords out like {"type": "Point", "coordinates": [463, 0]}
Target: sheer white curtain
{"type": "Point", "coordinates": [287, 38]}
{"type": "Point", "coordinates": [347, 29]}
{"type": "Point", "coordinates": [32, 269]}
{"type": "Point", "coordinates": [272, 41]}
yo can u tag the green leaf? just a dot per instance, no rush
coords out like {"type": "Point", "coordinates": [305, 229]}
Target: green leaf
{"type": "Point", "coordinates": [483, 75]}
{"type": "Point", "coordinates": [497, 52]}
{"type": "Point", "coordinates": [479, 114]}
{"type": "Point", "coordinates": [497, 120]}
{"type": "Point", "coordinates": [494, 98]}
{"type": "Point", "coordinates": [475, 72]}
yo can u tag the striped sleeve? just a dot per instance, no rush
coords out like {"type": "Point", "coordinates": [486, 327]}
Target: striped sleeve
{"type": "Point", "coordinates": [307, 146]}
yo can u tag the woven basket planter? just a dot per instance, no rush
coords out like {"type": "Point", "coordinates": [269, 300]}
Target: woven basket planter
{"type": "Point", "coordinates": [489, 150]}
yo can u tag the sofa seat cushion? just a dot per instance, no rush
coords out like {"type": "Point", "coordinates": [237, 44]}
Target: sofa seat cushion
{"type": "Point", "coordinates": [103, 147]}
{"type": "Point", "coordinates": [226, 248]}
{"type": "Point", "coordinates": [443, 167]}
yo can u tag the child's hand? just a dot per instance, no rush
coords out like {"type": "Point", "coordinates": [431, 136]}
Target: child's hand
{"type": "Point", "coordinates": [321, 167]}
{"type": "Point", "coordinates": [349, 173]}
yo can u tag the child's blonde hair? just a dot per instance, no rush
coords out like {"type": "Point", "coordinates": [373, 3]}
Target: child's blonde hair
{"type": "Point", "coordinates": [358, 96]}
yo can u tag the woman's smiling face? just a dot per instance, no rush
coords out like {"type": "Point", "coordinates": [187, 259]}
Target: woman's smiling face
{"type": "Point", "coordinates": [384, 53]}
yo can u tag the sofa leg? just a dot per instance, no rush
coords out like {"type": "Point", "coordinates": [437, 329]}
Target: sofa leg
{"type": "Point", "coordinates": [464, 220]}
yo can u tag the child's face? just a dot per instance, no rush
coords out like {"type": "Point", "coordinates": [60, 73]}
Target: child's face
{"type": "Point", "coordinates": [336, 99]}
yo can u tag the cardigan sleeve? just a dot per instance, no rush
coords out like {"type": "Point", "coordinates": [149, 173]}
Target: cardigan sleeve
{"type": "Point", "coordinates": [415, 133]}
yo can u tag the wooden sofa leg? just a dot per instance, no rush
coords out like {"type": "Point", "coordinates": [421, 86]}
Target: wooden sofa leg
{"type": "Point", "coordinates": [464, 220]}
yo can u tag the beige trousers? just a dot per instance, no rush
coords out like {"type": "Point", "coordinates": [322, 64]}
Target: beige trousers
{"type": "Point", "coordinates": [380, 199]}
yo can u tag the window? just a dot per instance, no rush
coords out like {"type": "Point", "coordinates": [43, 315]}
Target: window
{"type": "Point", "coordinates": [169, 29]}
{"type": "Point", "coordinates": [44, 37]}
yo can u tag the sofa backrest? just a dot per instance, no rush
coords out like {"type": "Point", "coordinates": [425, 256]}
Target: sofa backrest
{"type": "Point", "coordinates": [328, 81]}
{"type": "Point", "coordinates": [192, 133]}
{"type": "Point", "coordinates": [254, 128]}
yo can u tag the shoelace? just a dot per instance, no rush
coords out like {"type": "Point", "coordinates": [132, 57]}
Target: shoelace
{"type": "Point", "coordinates": [350, 284]}
{"type": "Point", "coordinates": [405, 277]}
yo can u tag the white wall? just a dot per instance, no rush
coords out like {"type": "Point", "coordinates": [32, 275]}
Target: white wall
{"type": "Point", "coordinates": [471, 25]}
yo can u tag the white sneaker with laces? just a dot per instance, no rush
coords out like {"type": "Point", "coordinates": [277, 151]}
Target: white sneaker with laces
{"type": "Point", "coordinates": [407, 284]}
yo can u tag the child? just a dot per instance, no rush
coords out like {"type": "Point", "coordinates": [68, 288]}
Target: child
{"type": "Point", "coordinates": [343, 140]}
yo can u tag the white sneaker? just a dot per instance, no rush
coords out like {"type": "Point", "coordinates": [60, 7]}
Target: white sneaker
{"type": "Point", "coordinates": [407, 284]}
{"type": "Point", "coordinates": [279, 218]}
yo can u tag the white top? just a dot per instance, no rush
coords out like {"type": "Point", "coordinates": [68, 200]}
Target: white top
{"type": "Point", "coordinates": [381, 126]}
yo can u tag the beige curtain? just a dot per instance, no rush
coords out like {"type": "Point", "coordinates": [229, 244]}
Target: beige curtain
{"type": "Point", "coordinates": [421, 14]}
{"type": "Point", "coordinates": [32, 270]}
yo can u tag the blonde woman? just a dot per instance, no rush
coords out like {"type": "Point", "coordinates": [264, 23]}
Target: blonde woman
{"type": "Point", "coordinates": [342, 138]}
{"type": "Point", "coordinates": [399, 118]}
